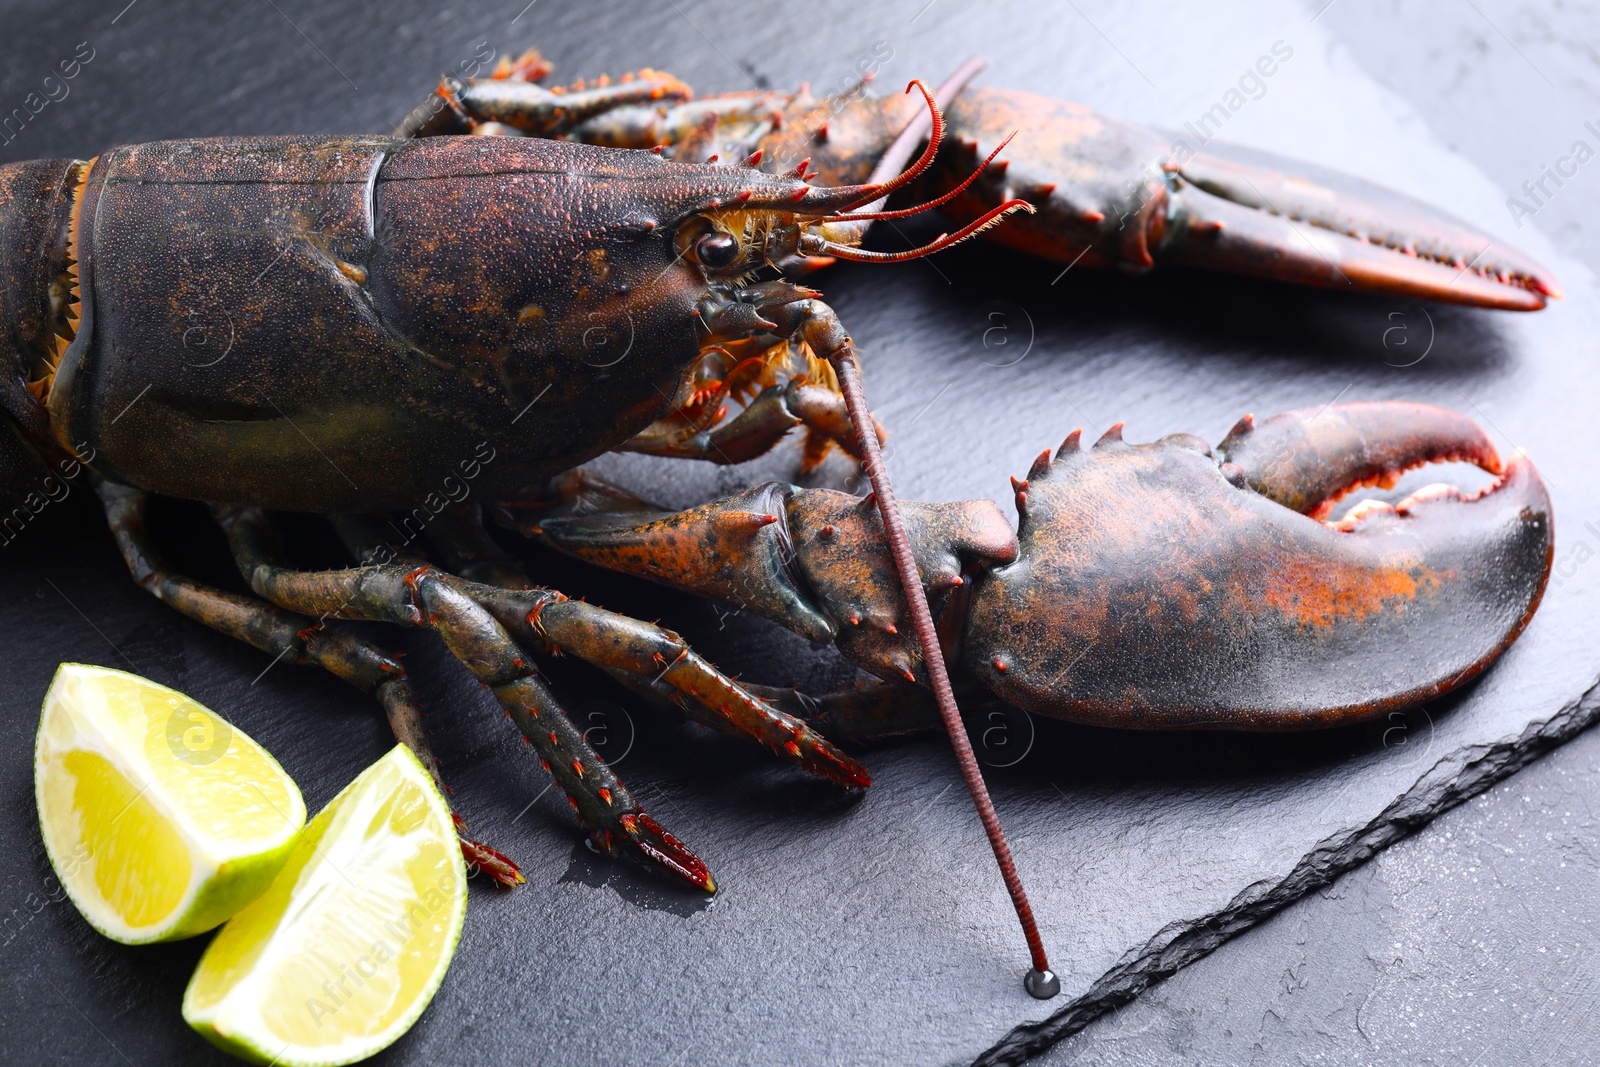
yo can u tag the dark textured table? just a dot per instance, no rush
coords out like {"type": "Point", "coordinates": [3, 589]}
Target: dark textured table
{"type": "Point", "coordinates": [876, 930]}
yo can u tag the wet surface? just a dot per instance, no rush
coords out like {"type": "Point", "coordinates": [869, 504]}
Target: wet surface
{"type": "Point", "coordinates": [875, 926]}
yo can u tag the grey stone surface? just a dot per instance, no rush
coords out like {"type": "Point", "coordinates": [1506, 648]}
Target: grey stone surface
{"type": "Point", "coordinates": [1471, 943]}
{"type": "Point", "coordinates": [873, 931]}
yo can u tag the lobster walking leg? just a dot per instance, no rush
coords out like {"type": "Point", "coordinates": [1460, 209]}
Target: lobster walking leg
{"type": "Point", "coordinates": [644, 110]}
{"type": "Point", "coordinates": [867, 712]}
{"type": "Point", "coordinates": [425, 596]}
{"type": "Point", "coordinates": [659, 662]}
{"type": "Point", "coordinates": [298, 639]}
{"type": "Point", "coordinates": [460, 107]}
{"type": "Point", "coordinates": [646, 658]}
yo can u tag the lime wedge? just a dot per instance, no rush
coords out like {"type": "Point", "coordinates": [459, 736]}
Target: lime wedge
{"type": "Point", "coordinates": [342, 953]}
{"type": "Point", "coordinates": [160, 818]}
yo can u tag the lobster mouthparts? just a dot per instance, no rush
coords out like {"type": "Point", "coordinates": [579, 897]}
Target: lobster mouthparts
{"type": "Point", "coordinates": [1168, 585]}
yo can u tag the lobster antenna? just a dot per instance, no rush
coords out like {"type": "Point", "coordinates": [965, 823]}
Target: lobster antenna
{"type": "Point", "coordinates": [843, 199]}
{"type": "Point", "coordinates": [887, 176]}
{"type": "Point", "coordinates": [895, 159]}
{"type": "Point", "coordinates": [1041, 982]}
{"type": "Point", "coordinates": [865, 215]}
{"type": "Point", "coordinates": [943, 241]}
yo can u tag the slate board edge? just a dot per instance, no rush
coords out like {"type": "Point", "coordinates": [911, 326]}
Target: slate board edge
{"type": "Point", "coordinates": [1454, 779]}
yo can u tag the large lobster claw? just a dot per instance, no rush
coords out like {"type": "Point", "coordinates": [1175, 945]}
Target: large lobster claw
{"type": "Point", "coordinates": [1166, 585]}
{"type": "Point", "coordinates": [1170, 585]}
{"type": "Point", "coordinates": [1134, 197]}
{"type": "Point", "coordinates": [1113, 194]}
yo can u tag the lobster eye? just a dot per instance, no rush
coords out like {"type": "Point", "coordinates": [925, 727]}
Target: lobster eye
{"type": "Point", "coordinates": [716, 250]}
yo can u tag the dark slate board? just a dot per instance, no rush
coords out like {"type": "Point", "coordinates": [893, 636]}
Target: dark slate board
{"type": "Point", "coordinates": [1472, 942]}
{"type": "Point", "coordinates": [874, 930]}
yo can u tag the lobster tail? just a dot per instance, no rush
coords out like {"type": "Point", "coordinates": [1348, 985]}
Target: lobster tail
{"type": "Point", "coordinates": [37, 284]}
{"type": "Point", "coordinates": [37, 310]}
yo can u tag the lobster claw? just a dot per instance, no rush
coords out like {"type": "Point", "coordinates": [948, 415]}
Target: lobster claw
{"type": "Point", "coordinates": [1274, 219]}
{"type": "Point", "coordinates": [1116, 194]}
{"type": "Point", "coordinates": [1168, 585]}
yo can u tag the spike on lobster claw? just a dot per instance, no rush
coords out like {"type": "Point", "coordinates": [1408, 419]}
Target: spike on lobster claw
{"type": "Point", "coordinates": [1225, 604]}
{"type": "Point", "coordinates": [1111, 438]}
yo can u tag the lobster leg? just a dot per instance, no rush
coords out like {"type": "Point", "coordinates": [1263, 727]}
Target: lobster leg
{"type": "Point", "coordinates": [425, 596]}
{"type": "Point", "coordinates": [869, 711]}
{"type": "Point", "coordinates": [659, 663]}
{"type": "Point", "coordinates": [728, 127]}
{"type": "Point", "coordinates": [643, 110]}
{"type": "Point", "coordinates": [296, 638]}
{"type": "Point", "coordinates": [758, 428]}
{"type": "Point", "coordinates": [646, 658]}
{"type": "Point", "coordinates": [459, 107]}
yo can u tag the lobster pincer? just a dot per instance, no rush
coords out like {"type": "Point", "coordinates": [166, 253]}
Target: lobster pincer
{"type": "Point", "coordinates": [1125, 196]}
{"type": "Point", "coordinates": [1154, 586]}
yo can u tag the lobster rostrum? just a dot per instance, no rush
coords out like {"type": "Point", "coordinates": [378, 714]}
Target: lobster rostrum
{"type": "Point", "coordinates": [1107, 193]}
{"type": "Point", "coordinates": [353, 325]}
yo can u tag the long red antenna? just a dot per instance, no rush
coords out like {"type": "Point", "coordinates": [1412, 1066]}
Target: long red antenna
{"type": "Point", "coordinates": [943, 241]}
{"type": "Point", "coordinates": [864, 215]}
{"type": "Point", "coordinates": [894, 160]}
{"type": "Point", "coordinates": [912, 173]}
{"type": "Point", "coordinates": [1041, 982]}
{"type": "Point", "coordinates": [887, 176]}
